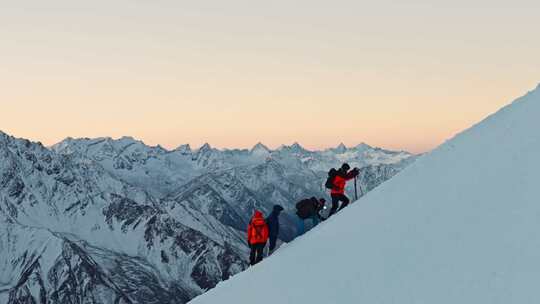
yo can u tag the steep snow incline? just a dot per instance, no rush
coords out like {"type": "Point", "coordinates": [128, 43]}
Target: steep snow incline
{"type": "Point", "coordinates": [460, 225]}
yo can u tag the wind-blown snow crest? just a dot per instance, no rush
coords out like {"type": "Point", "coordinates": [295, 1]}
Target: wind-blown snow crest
{"type": "Point", "coordinates": [460, 225]}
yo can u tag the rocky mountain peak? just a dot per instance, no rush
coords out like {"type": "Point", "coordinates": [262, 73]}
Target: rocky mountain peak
{"type": "Point", "coordinates": [260, 150]}
{"type": "Point", "coordinates": [294, 148]}
{"type": "Point", "coordinates": [341, 148]}
{"type": "Point", "coordinates": [205, 147]}
{"type": "Point", "coordinates": [184, 149]}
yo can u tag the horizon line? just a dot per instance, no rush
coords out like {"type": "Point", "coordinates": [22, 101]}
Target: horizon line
{"type": "Point", "coordinates": [170, 149]}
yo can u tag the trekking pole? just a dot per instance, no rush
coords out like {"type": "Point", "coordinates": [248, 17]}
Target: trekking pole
{"type": "Point", "coordinates": [355, 189]}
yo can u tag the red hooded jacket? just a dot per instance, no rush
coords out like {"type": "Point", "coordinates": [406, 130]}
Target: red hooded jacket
{"type": "Point", "coordinates": [257, 232]}
{"type": "Point", "coordinates": [340, 180]}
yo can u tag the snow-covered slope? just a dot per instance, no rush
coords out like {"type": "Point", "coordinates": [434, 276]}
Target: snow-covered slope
{"type": "Point", "coordinates": [460, 225]}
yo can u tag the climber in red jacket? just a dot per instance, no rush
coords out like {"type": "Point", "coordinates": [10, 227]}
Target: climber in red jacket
{"type": "Point", "coordinates": [257, 235]}
{"type": "Point", "coordinates": [338, 190]}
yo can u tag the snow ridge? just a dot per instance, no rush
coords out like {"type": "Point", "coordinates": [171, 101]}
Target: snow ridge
{"type": "Point", "coordinates": [457, 226]}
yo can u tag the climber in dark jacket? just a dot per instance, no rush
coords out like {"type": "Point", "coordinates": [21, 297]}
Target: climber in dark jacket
{"type": "Point", "coordinates": [309, 209]}
{"type": "Point", "coordinates": [273, 227]}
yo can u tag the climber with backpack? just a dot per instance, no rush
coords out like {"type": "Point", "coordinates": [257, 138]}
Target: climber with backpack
{"type": "Point", "coordinates": [309, 209]}
{"type": "Point", "coordinates": [273, 228]}
{"type": "Point", "coordinates": [257, 235]}
{"type": "Point", "coordinates": [337, 180]}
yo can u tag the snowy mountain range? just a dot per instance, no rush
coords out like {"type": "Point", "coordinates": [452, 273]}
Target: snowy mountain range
{"type": "Point", "coordinates": [117, 221]}
{"type": "Point", "coordinates": [460, 225]}
{"type": "Point", "coordinates": [230, 184]}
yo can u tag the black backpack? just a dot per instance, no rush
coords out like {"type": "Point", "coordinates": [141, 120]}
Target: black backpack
{"type": "Point", "coordinates": [330, 180]}
{"type": "Point", "coordinates": [303, 208]}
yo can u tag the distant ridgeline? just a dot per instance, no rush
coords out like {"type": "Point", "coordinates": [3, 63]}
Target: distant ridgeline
{"type": "Point", "coordinates": [116, 221]}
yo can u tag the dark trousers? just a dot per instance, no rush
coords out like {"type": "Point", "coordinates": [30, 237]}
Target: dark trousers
{"type": "Point", "coordinates": [272, 244]}
{"type": "Point", "coordinates": [336, 198]}
{"type": "Point", "coordinates": [256, 254]}
{"type": "Point", "coordinates": [301, 226]}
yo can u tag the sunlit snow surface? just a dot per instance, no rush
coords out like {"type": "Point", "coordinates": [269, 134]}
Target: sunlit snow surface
{"type": "Point", "coordinates": [460, 225]}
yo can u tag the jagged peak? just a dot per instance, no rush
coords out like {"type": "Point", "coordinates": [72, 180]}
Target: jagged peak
{"type": "Point", "coordinates": [260, 147]}
{"type": "Point", "coordinates": [205, 147]}
{"type": "Point", "coordinates": [341, 148]}
{"type": "Point", "coordinates": [160, 148]}
{"type": "Point", "coordinates": [183, 148]}
{"type": "Point", "coordinates": [295, 147]}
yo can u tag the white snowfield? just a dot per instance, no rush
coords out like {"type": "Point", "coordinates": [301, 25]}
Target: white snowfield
{"type": "Point", "coordinates": [461, 225]}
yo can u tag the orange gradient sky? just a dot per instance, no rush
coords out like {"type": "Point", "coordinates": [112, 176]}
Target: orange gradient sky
{"type": "Point", "coordinates": [395, 74]}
